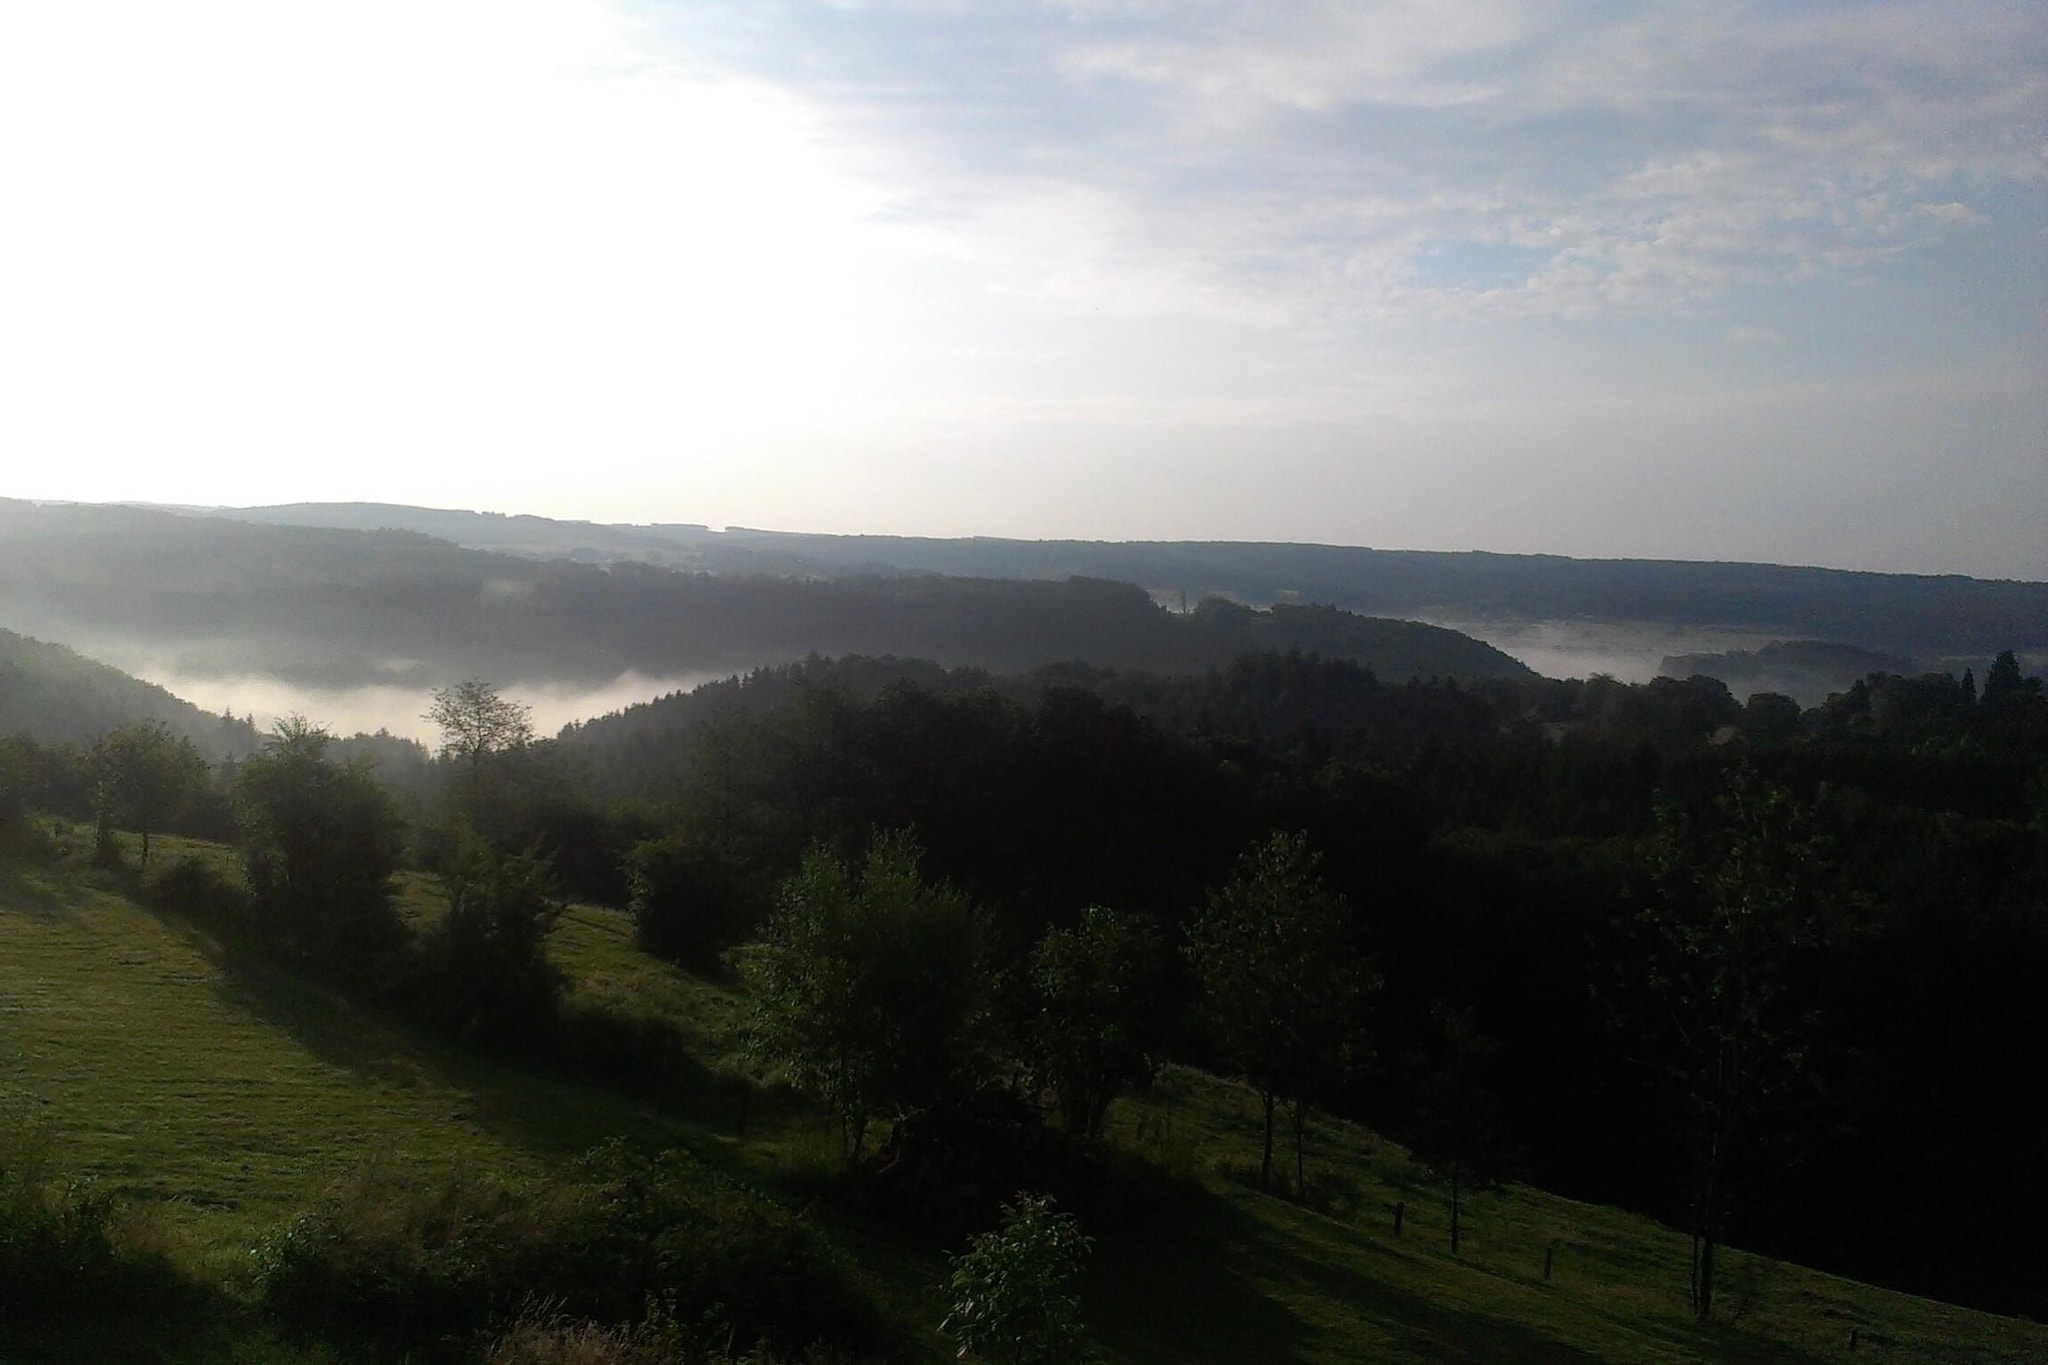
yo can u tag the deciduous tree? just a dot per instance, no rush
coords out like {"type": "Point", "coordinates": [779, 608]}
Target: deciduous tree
{"type": "Point", "coordinates": [1274, 953]}
{"type": "Point", "coordinates": [488, 967]}
{"type": "Point", "coordinates": [869, 986]}
{"type": "Point", "coordinates": [1738, 901]}
{"type": "Point", "coordinates": [320, 843]}
{"type": "Point", "coordinates": [475, 721]}
{"type": "Point", "coordinates": [143, 777]}
{"type": "Point", "coordinates": [1459, 1132]}
{"type": "Point", "coordinates": [1094, 1029]}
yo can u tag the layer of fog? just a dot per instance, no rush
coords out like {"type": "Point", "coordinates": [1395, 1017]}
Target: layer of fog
{"type": "Point", "coordinates": [1628, 651]}
{"type": "Point", "coordinates": [402, 710]}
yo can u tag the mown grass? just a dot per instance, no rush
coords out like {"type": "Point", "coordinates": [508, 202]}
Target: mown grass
{"type": "Point", "coordinates": [221, 1097]}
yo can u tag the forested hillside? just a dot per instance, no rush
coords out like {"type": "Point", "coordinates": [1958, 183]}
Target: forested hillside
{"type": "Point", "coordinates": [1499, 841]}
{"type": "Point", "coordinates": [961, 916]}
{"type": "Point", "coordinates": [1920, 616]}
{"type": "Point", "coordinates": [339, 608]}
{"type": "Point", "coordinates": [59, 696]}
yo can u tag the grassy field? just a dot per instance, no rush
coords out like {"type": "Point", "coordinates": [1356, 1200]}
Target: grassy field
{"type": "Point", "coordinates": [222, 1098]}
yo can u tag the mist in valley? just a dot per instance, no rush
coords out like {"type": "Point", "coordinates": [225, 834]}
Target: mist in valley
{"type": "Point", "coordinates": [1627, 651]}
{"type": "Point", "coordinates": [1630, 652]}
{"type": "Point", "coordinates": [397, 710]}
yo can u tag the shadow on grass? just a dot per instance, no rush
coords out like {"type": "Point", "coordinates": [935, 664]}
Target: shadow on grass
{"type": "Point", "coordinates": [47, 891]}
{"type": "Point", "coordinates": [535, 1100]}
{"type": "Point", "coordinates": [1168, 1284]}
{"type": "Point", "coordinates": [1415, 1325]}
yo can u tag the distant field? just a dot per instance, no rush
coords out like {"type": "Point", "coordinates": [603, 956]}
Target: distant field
{"type": "Point", "coordinates": [228, 1096]}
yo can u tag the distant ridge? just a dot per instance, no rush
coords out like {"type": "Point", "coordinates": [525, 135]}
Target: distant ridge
{"type": "Point", "coordinates": [333, 608]}
{"type": "Point", "coordinates": [1911, 614]}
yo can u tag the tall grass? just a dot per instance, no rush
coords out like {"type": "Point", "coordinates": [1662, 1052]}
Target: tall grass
{"type": "Point", "coordinates": [67, 1246]}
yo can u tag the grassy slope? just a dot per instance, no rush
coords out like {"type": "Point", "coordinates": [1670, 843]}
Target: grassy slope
{"type": "Point", "coordinates": [228, 1097]}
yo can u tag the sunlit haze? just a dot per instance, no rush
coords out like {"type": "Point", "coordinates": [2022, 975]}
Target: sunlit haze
{"type": "Point", "coordinates": [1729, 282]}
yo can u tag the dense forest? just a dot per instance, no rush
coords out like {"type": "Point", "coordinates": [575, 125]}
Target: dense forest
{"type": "Point", "coordinates": [1921, 616]}
{"type": "Point", "coordinates": [56, 693]}
{"type": "Point", "coordinates": [1530, 926]}
{"type": "Point", "coordinates": [339, 608]}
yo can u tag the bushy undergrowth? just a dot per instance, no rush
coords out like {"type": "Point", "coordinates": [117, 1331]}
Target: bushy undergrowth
{"type": "Point", "coordinates": [196, 889]}
{"type": "Point", "coordinates": [482, 970]}
{"type": "Point", "coordinates": [643, 1055]}
{"type": "Point", "coordinates": [542, 1335]}
{"type": "Point", "coordinates": [66, 1246]}
{"type": "Point", "coordinates": [426, 1268]}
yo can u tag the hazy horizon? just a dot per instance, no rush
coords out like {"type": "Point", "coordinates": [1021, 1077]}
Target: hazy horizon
{"type": "Point", "coordinates": [510, 513]}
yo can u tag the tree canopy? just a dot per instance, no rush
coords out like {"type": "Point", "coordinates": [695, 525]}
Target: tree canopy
{"type": "Point", "coordinates": [869, 986]}
{"type": "Point", "coordinates": [1274, 955]}
{"type": "Point", "coordinates": [321, 843]}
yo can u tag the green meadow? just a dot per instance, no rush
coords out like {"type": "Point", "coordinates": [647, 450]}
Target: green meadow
{"type": "Point", "coordinates": [218, 1097]}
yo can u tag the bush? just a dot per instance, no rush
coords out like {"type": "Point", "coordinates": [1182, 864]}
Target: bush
{"type": "Point", "coordinates": [398, 1264]}
{"type": "Point", "coordinates": [689, 902]}
{"type": "Point", "coordinates": [425, 1268]}
{"type": "Point", "coordinates": [1010, 1289]}
{"type": "Point", "coordinates": [946, 1171]}
{"type": "Point", "coordinates": [642, 1055]}
{"type": "Point", "coordinates": [193, 888]}
{"type": "Point", "coordinates": [486, 970]}
{"type": "Point", "coordinates": [65, 1247]}
{"type": "Point", "coordinates": [541, 1336]}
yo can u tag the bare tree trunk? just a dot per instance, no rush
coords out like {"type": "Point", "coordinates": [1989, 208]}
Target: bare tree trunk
{"type": "Point", "coordinates": [1300, 1141]}
{"type": "Point", "coordinates": [1266, 1157]}
{"type": "Point", "coordinates": [1454, 1214]}
{"type": "Point", "coordinates": [1705, 1233]}
{"type": "Point", "coordinates": [1703, 1275]}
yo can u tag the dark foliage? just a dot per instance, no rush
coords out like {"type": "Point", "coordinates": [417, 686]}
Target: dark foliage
{"type": "Point", "coordinates": [483, 969]}
{"type": "Point", "coordinates": [1502, 831]}
{"type": "Point", "coordinates": [423, 1270]}
{"type": "Point", "coordinates": [946, 1170]}
{"type": "Point", "coordinates": [690, 900]}
{"type": "Point", "coordinates": [320, 844]}
{"type": "Point", "coordinates": [62, 1252]}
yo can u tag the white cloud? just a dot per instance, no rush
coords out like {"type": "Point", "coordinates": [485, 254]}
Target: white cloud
{"type": "Point", "coordinates": [1287, 162]}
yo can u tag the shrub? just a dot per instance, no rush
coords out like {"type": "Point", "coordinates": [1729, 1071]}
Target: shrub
{"type": "Point", "coordinates": [394, 1263]}
{"type": "Point", "coordinates": [1010, 1288]}
{"type": "Point", "coordinates": [689, 902]}
{"type": "Point", "coordinates": [643, 1055]}
{"type": "Point", "coordinates": [428, 1267]}
{"type": "Point", "coordinates": [946, 1171]}
{"type": "Point", "coordinates": [487, 974]}
{"type": "Point", "coordinates": [544, 1336]}
{"type": "Point", "coordinates": [193, 888]}
{"type": "Point", "coordinates": [65, 1246]}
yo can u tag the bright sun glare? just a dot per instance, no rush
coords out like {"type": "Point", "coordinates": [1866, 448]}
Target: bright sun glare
{"type": "Point", "coordinates": [393, 232]}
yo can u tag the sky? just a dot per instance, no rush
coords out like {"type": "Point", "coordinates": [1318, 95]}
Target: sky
{"type": "Point", "coordinates": [1732, 281]}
